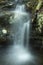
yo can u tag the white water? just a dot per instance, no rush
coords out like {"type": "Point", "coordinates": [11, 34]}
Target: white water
{"type": "Point", "coordinates": [25, 35]}
{"type": "Point", "coordinates": [21, 30]}
{"type": "Point", "coordinates": [22, 24]}
{"type": "Point", "coordinates": [18, 53]}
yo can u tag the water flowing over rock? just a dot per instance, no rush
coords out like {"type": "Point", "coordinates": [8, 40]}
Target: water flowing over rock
{"type": "Point", "coordinates": [22, 24]}
{"type": "Point", "coordinates": [18, 54]}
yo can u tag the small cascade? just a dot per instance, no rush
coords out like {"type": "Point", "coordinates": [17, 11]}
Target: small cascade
{"type": "Point", "coordinates": [20, 8]}
{"type": "Point", "coordinates": [25, 36]}
{"type": "Point", "coordinates": [21, 26]}
{"type": "Point", "coordinates": [19, 52]}
{"type": "Point", "coordinates": [22, 23]}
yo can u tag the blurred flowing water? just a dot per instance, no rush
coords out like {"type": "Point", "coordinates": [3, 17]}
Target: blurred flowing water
{"type": "Point", "coordinates": [21, 26]}
{"type": "Point", "coordinates": [19, 52]}
{"type": "Point", "coordinates": [22, 22]}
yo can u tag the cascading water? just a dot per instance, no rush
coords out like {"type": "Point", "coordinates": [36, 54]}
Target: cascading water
{"type": "Point", "coordinates": [18, 53]}
{"type": "Point", "coordinates": [21, 38]}
{"type": "Point", "coordinates": [21, 19]}
{"type": "Point", "coordinates": [26, 29]}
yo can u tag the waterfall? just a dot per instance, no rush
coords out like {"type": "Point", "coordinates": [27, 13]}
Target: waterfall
{"type": "Point", "coordinates": [22, 25]}
{"type": "Point", "coordinates": [18, 53]}
{"type": "Point", "coordinates": [21, 28]}
{"type": "Point", "coordinates": [25, 35]}
{"type": "Point", "coordinates": [20, 8]}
